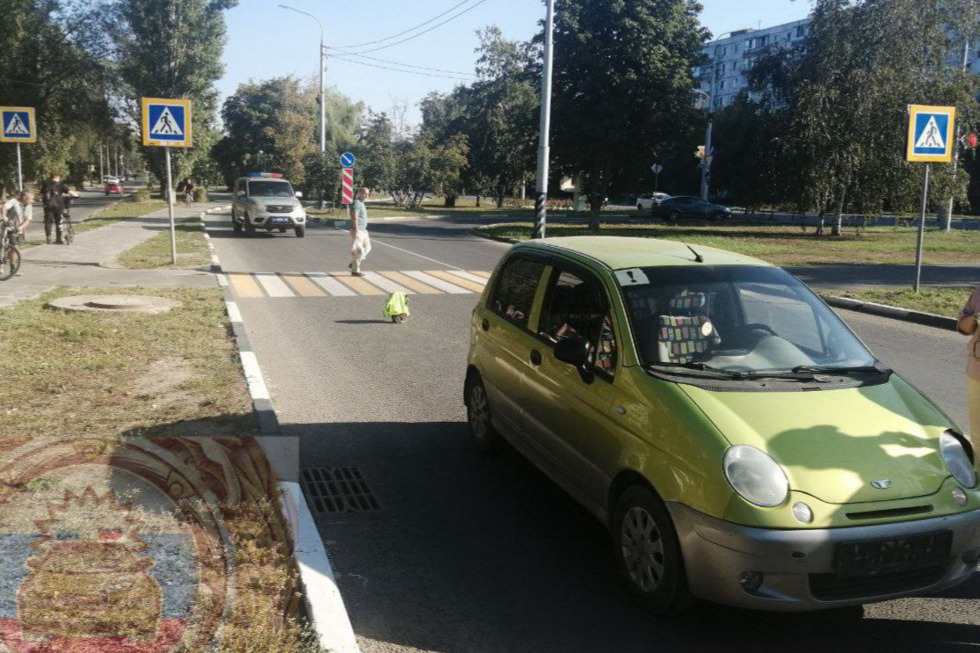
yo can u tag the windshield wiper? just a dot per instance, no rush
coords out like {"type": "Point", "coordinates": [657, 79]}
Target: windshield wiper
{"type": "Point", "coordinates": [696, 367]}
{"type": "Point", "coordinates": [855, 369]}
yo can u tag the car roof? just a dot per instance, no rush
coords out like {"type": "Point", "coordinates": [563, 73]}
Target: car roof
{"type": "Point", "coordinates": [619, 253]}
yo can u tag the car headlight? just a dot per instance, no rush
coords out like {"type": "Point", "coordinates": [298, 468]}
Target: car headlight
{"type": "Point", "coordinates": [755, 476]}
{"type": "Point", "coordinates": [958, 459]}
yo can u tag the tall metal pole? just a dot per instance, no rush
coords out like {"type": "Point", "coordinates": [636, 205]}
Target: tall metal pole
{"type": "Point", "coordinates": [20, 171]}
{"type": "Point", "coordinates": [101, 164]}
{"type": "Point", "coordinates": [323, 96]}
{"type": "Point", "coordinates": [544, 147]}
{"type": "Point", "coordinates": [170, 211]}
{"type": "Point", "coordinates": [922, 230]}
{"type": "Point", "coordinates": [706, 162]}
{"type": "Point", "coordinates": [948, 218]}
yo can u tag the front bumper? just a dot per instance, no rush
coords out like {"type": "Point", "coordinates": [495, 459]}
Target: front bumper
{"type": "Point", "coordinates": [272, 221]}
{"type": "Point", "coordinates": [797, 566]}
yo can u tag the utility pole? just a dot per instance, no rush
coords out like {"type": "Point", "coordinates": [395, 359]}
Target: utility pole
{"type": "Point", "coordinates": [544, 147]}
{"type": "Point", "coordinates": [948, 218]}
{"type": "Point", "coordinates": [323, 89]}
{"type": "Point", "coordinates": [706, 162]}
{"type": "Point", "coordinates": [101, 164]}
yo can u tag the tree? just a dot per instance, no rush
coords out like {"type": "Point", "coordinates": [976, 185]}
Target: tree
{"type": "Point", "coordinates": [623, 87]}
{"type": "Point", "coordinates": [172, 49]}
{"type": "Point", "coordinates": [376, 152]}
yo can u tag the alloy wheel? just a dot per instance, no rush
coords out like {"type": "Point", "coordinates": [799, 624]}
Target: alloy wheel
{"type": "Point", "coordinates": [479, 413]}
{"type": "Point", "coordinates": [643, 549]}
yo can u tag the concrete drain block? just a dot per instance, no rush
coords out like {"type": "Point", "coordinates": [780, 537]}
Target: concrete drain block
{"type": "Point", "coordinates": [114, 304]}
{"type": "Point", "coordinates": [338, 489]}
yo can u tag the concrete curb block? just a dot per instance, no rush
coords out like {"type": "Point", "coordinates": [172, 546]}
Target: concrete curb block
{"type": "Point", "coordinates": [322, 601]}
{"type": "Point", "coordinates": [499, 239]}
{"type": "Point", "coordinates": [893, 312]}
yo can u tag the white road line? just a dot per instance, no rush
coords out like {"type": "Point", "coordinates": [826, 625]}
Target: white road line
{"type": "Point", "coordinates": [273, 285]}
{"type": "Point", "coordinates": [253, 375]}
{"type": "Point", "coordinates": [380, 242]}
{"type": "Point", "coordinates": [386, 284]}
{"type": "Point", "coordinates": [475, 278]}
{"type": "Point", "coordinates": [234, 314]}
{"type": "Point", "coordinates": [330, 285]}
{"type": "Point", "coordinates": [222, 281]}
{"type": "Point", "coordinates": [444, 286]}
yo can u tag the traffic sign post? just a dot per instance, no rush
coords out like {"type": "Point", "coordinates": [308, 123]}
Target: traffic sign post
{"type": "Point", "coordinates": [930, 140]}
{"type": "Point", "coordinates": [18, 126]}
{"type": "Point", "coordinates": [167, 124]}
{"type": "Point", "coordinates": [656, 169]}
{"type": "Point", "coordinates": [347, 186]}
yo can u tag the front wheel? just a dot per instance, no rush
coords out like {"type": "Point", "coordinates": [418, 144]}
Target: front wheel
{"type": "Point", "coordinates": [300, 232]}
{"type": "Point", "coordinates": [478, 416]}
{"type": "Point", "coordinates": [249, 227]}
{"type": "Point", "coordinates": [9, 262]}
{"type": "Point", "coordinates": [648, 553]}
{"type": "Point", "coordinates": [674, 217]}
{"type": "Point", "coordinates": [69, 235]}
{"type": "Point", "coordinates": [720, 215]}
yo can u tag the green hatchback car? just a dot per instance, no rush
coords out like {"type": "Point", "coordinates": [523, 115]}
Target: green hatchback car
{"type": "Point", "coordinates": [738, 440]}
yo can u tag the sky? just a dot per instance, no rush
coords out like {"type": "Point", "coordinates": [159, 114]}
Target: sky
{"type": "Point", "coordinates": [267, 41]}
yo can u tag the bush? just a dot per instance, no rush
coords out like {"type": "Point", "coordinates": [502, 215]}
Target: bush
{"type": "Point", "coordinates": [200, 194]}
{"type": "Point", "coordinates": [141, 195]}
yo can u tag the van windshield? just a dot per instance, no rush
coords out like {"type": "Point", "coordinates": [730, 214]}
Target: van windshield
{"type": "Point", "coordinates": [740, 318]}
{"type": "Point", "coordinates": [269, 189]}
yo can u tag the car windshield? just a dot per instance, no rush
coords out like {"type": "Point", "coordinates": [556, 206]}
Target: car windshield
{"type": "Point", "coordinates": [270, 189]}
{"type": "Point", "coordinates": [738, 318]}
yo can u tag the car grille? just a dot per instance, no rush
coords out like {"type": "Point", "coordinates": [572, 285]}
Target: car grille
{"type": "Point", "coordinates": [279, 209]}
{"type": "Point", "coordinates": [834, 587]}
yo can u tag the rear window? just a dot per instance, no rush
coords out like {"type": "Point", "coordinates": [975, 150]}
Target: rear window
{"type": "Point", "coordinates": [513, 294]}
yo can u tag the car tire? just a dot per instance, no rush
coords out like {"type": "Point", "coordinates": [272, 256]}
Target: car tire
{"type": "Point", "coordinates": [674, 217]}
{"type": "Point", "coordinates": [249, 227]}
{"type": "Point", "coordinates": [639, 207]}
{"type": "Point", "coordinates": [720, 216]}
{"type": "Point", "coordinates": [478, 415]}
{"type": "Point", "coordinates": [648, 553]}
{"type": "Point", "coordinates": [300, 232]}
{"type": "Point", "coordinates": [236, 226]}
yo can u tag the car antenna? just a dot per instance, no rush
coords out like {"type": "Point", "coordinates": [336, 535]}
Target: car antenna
{"type": "Point", "coordinates": [697, 257]}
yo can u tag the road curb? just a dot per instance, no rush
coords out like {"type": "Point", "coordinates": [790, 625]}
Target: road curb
{"type": "Point", "coordinates": [500, 239]}
{"type": "Point", "coordinates": [321, 598]}
{"type": "Point", "coordinates": [893, 312]}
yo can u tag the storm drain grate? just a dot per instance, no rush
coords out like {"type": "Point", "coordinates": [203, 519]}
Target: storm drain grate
{"type": "Point", "coordinates": [338, 489]}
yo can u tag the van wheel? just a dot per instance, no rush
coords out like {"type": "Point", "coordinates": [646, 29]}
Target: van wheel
{"type": "Point", "coordinates": [301, 232]}
{"type": "Point", "coordinates": [236, 226]}
{"type": "Point", "coordinates": [478, 416]}
{"type": "Point", "coordinates": [648, 554]}
{"type": "Point", "coordinates": [249, 227]}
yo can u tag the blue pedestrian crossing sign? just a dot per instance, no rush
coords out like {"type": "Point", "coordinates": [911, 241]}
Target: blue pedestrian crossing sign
{"type": "Point", "coordinates": [18, 125]}
{"type": "Point", "coordinates": [167, 123]}
{"type": "Point", "coordinates": [931, 134]}
{"type": "Point", "coordinates": [347, 160]}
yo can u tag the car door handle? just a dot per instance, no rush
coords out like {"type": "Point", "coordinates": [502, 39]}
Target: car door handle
{"type": "Point", "coordinates": [536, 358]}
{"type": "Point", "coordinates": [485, 324]}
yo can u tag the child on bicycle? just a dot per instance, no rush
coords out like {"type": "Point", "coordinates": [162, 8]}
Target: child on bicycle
{"type": "Point", "coordinates": [19, 211]}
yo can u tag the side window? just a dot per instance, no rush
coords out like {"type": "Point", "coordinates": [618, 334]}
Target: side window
{"type": "Point", "coordinates": [513, 295]}
{"type": "Point", "coordinates": [577, 308]}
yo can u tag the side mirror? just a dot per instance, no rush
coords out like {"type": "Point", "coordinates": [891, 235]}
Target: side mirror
{"type": "Point", "coordinates": [299, 194]}
{"type": "Point", "coordinates": [576, 352]}
{"type": "Point", "coordinates": [240, 193]}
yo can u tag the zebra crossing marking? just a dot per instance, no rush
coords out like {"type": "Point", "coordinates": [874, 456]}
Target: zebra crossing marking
{"type": "Point", "coordinates": [385, 284]}
{"type": "Point", "coordinates": [331, 285]}
{"type": "Point", "coordinates": [447, 275]}
{"type": "Point", "coordinates": [414, 285]}
{"type": "Point", "coordinates": [357, 284]}
{"type": "Point", "coordinates": [303, 286]}
{"type": "Point", "coordinates": [275, 285]}
{"type": "Point", "coordinates": [437, 283]}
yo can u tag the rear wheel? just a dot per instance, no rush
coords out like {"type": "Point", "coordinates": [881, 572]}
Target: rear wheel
{"type": "Point", "coordinates": [69, 235]}
{"type": "Point", "coordinates": [9, 262]}
{"type": "Point", "coordinates": [719, 216]}
{"type": "Point", "coordinates": [300, 231]}
{"type": "Point", "coordinates": [674, 216]}
{"type": "Point", "coordinates": [478, 415]}
{"type": "Point", "coordinates": [648, 553]}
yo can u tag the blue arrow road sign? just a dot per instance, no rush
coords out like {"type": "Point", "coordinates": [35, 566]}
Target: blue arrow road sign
{"type": "Point", "coordinates": [347, 160]}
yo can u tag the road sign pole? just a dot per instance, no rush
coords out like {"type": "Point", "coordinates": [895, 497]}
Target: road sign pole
{"type": "Point", "coordinates": [922, 230]}
{"type": "Point", "coordinates": [20, 171]}
{"type": "Point", "coordinates": [544, 150]}
{"type": "Point", "coordinates": [170, 210]}
{"type": "Point", "coordinates": [706, 162]}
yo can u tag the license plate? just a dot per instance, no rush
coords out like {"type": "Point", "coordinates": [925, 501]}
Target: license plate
{"type": "Point", "coordinates": [279, 220]}
{"type": "Point", "coordinates": [883, 556]}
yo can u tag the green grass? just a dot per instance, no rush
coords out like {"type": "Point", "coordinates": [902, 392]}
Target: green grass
{"type": "Point", "coordinates": [786, 245]}
{"type": "Point", "coordinates": [192, 249]}
{"type": "Point", "coordinates": [109, 375]}
{"type": "Point", "coordinates": [118, 212]}
{"type": "Point", "coordinates": [940, 301]}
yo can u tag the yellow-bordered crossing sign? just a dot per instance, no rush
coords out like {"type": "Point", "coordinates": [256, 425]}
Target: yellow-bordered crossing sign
{"type": "Point", "coordinates": [167, 123]}
{"type": "Point", "coordinates": [18, 125]}
{"type": "Point", "coordinates": [932, 134]}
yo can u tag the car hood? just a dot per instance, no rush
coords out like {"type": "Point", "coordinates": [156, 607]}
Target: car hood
{"type": "Point", "coordinates": [833, 443]}
{"type": "Point", "coordinates": [277, 201]}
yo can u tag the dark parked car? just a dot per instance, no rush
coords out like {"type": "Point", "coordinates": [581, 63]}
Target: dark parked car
{"type": "Point", "coordinates": [676, 208]}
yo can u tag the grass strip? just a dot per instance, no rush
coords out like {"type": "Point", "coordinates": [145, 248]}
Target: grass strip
{"type": "Point", "coordinates": [784, 245]}
{"type": "Point", "coordinates": [192, 249]}
{"type": "Point", "coordinates": [939, 301]}
{"type": "Point", "coordinates": [124, 210]}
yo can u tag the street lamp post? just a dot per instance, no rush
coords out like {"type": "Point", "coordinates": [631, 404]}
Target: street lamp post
{"type": "Point", "coordinates": [709, 99]}
{"type": "Point", "coordinates": [323, 99]}
{"type": "Point", "coordinates": [544, 137]}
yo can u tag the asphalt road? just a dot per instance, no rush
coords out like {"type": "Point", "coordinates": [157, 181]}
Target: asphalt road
{"type": "Point", "coordinates": [484, 554]}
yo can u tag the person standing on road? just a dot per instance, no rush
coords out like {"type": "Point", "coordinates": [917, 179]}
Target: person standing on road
{"type": "Point", "coordinates": [53, 195]}
{"type": "Point", "coordinates": [361, 241]}
{"type": "Point", "coordinates": [968, 326]}
{"type": "Point", "coordinates": [19, 211]}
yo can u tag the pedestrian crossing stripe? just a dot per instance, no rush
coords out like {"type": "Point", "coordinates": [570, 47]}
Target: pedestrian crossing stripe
{"type": "Point", "coordinates": [280, 285]}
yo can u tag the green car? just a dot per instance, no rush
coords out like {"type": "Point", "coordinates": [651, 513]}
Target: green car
{"type": "Point", "coordinates": [738, 440]}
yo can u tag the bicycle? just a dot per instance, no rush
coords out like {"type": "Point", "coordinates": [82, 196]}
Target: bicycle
{"type": "Point", "coordinates": [9, 252]}
{"type": "Point", "coordinates": [188, 198]}
{"type": "Point", "coordinates": [67, 228]}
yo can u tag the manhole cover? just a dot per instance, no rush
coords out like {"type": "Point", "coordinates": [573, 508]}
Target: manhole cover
{"type": "Point", "coordinates": [114, 304]}
{"type": "Point", "coordinates": [338, 489]}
